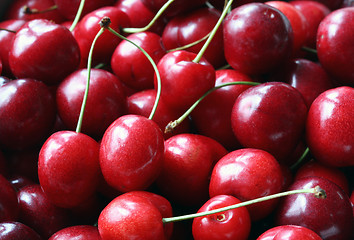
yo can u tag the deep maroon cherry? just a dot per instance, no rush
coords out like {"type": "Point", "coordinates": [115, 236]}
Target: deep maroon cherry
{"type": "Point", "coordinates": [330, 218]}
{"type": "Point", "coordinates": [17, 231]}
{"type": "Point", "coordinates": [44, 51]}
{"type": "Point", "coordinates": [131, 153]}
{"type": "Point", "coordinates": [328, 126]}
{"type": "Point", "coordinates": [8, 201]}
{"type": "Point", "coordinates": [27, 113]}
{"type": "Point", "coordinates": [270, 116]}
{"type": "Point", "coordinates": [289, 232]}
{"type": "Point", "coordinates": [78, 232]}
{"type": "Point", "coordinates": [257, 38]}
{"type": "Point", "coordinates": [232, 224]}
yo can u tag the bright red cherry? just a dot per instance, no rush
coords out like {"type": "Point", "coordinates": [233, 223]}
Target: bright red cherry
{"type": "Point", "coordinates": [232, 224]}
{"type": "Point", "coordinates": [17, 231]}
{"type": "Point", "coordinates": [289, 232]}
{"type": "Point", "coordinates": [8, 201]}
{"type": "Point", "coordinates": [78, 232]}
{"type": "Point", "coordinates": [329, 123]}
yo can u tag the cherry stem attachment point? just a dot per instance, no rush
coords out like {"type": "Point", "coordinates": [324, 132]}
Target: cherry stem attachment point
{"type": "Point", "coordinates": [317, 191]}
{"type": "Point", "coordinates": [173, 124]}
{"type": "Point", "coordinates": [78, 15]}
{"type": "Point", "coordinates": [104, 23]}
{"type": "Point", "coordinates": [147, 27]}
{"type": "Point", "coordinates": [158, 77]}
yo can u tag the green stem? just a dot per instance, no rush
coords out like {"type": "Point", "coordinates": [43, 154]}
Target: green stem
{"type": "Point", "coordinates": [173, 124]}
{"type": "Point", "coordinates": [310, 50]}
{"type": "Point", "coordinates": [212, 33]}
{"type": "Point", "coordinates": [190, 44]}
{"type": "Point", "coordinates": [89, 62]}
{"type": "Point", "coordinates": [158, 94]}
{"type": "Point", "coordinates": [317, 191]}
{"type": "Point", "coordinates": [78, 15]}
{"type": "Point", "coordinates": [28, 10]}
{"type": "Point", "coordinates": [300, 160]}
{"type": "Point", "coordinates": [147, 27]}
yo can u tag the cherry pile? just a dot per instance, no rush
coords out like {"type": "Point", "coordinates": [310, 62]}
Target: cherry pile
{"type": "Point", "coordinates": [130, 119]}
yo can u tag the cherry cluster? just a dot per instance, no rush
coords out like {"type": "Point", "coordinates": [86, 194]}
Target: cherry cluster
{"type": "Point", "coordinates": [177, 119]}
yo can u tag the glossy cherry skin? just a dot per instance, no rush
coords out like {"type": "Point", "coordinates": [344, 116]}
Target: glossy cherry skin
{"type": "Point", "coordinates": [106, 100]}
{"type": "Point", "coordinates": [68, 168]}
{"type": "Point", "coordinates": [39, 213]}
{"type": "Point", "coordinates": [248, 174]}
{"type": "Point", "coordinates": [8, 201]}
{"type": "Point", "coordinates": [257, 38]}
{"type": "Point", "coordinates": [27, 113]}
{"type": "Point", "coordinates": [232, 224]}
{"type": "Point", "coordinates": [188, 162]}
{"type": "Point", "coordinates": [328, 124]}
{"type": "Point", "coordinates": [193, 26]}
{"type": "Point", "coordinates": [130, 64]}
{"type": "Point", "coordinates": [88, 27]}
{"type": "Point", "coordinates": [212, 116]}
{"type": "Point", "coordinates": [17, 231]}
{"type": "Point", "coordinates": [131, 153]}
{"type": "Point", "coordinates": [330, 218]}
{"type": "Point", "coordinates": [270, 116]}
{"type": "Point", "coordinates": [130, 217]}
{"type": "Point", "coordinates": [182, 80]}
{"type": "Point", "coordinates": [78, 232]}
{"type": "Point", "coordinates": [289, 232]}
{"type": "Point", "coordinates": [335, 35]}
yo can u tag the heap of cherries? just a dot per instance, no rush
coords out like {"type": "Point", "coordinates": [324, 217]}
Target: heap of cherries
{"type": "Point", "coordinates": [156, 119]}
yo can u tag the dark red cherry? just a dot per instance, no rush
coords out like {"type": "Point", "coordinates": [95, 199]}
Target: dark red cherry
{"type": "Point", "coordinates": [289, 232]}
{"type": "Point", "coordinates": [17, 231]}
{"type": "Point", "coordinates": [105, 103]}
{"type": "Point", "coordinates": [27, 113]}
{"type": "Point", "coordinates": [8, 201]}
{"type": "Point", "coordinates": [44, 51]}
{"type": "Point", "coordinates": [334, 45]}
{"type": "Point", "coordinates": [232, 224]}
{"type": "Point", "coordinates": [3, 165]}
{"type": "Point", "coordinates": [78, 232]}
{"type": "Point", "coordinates": [270, 116]}
{"type": "Point", "coordinates": [130, 64]}
{"type": "Point", "coordinates": [68, 168]}
{"type": "Point", "coordinates": [131, 153]}
{"type": "Point", "coordinates": [248, 174]}
{"type": "Point", "coordinates": [329, 123]}
{"type": "Point", "coordinates": [188, 162]}
{"type": "Point", "coordinates": [330, 218]}
{"type": "Point", "coordinates": [257, 38]}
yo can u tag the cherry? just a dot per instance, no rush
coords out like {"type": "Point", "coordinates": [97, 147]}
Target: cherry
{"type": "Point", "coordinates": [270, 116]}
{"type": "Point", "coordinates": [131, 153]}
{"type": "Point", "coordinates": [59, 52]}
{"type": "Point", "coordinates": [331, 4]}
{"type": "Point", "coordinates": [193, 26]}
{"type": "Point", "coordinates": [19, 182]}
{"type": "Point", "coordinates": [248, 174]}
{"type": "Point", "coordinates": [289, 232]}
{"type": "Point", "coordinates": [330, 218]}
{"type": "Point", "coordinates": [328, 125]}
{"type": "Point", "coordinates": [131, 65]}
{"type": "Point", "coordinates": [130, 216]}
{"type": "Point", "coordinates": [4, 80]}
{"type": "Point", "coordinates": [8, 201]}
{"type": "Point", "coordinates": [188, 162]}
{"type": "Point", "coordinates": [335, 35]}
{"type": "Point", "coordinates": [257, 38]}
{"type": "Point", "coordinates": [106, 100]}
{"type": "Point", "coordinates": [17, 231]}
{"type": "Point", "coordinates": [79, 232]}
{"type": "Point", "coordinates": [27, 113]}
{"type": "Point", "coordinates": [233, 224]}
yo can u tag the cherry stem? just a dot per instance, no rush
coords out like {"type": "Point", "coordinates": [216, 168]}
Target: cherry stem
{"type": "Point", "coordinates": [212, 33]}
{"type": "Point", "coordinates": [173, 124]}
{"type": "Point", "coordinates": [190, 44]}
{"type": "Point", "coordinates": [310, 50]}
{"type": "Point", "coordinates": [147, 27]}
{"type": "Point", "coordinates": [7, 30]}
{"type": "Point", "coordinates": [158, 77]}
{"type": "Point", "coordinates": [104, 23]}
{"type": "Point", "coordinates": [28, 10]}
{"type": "Point", "coordinates": [300, 160]}
{"type": "Point", "coordinates": [317, 191]}
{"type": "Point", "coordinates": [78, 15]}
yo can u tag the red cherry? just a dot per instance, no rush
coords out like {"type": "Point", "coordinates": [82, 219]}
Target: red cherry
{"type": "Point", "coordinates": [257, 38]}
{"type": "Point", "coordinates": [248, 174]}
{"type": "Point", "coordinates": [68, 168]}
{"type": "Point", "coordinates": [130, 217]}
{"type": "Point", "coordinates": [8, 201]}
{"type": "Point", "coordinates": [289, 232]}
{"type": "Point", "coordinates": [232, 224]}
{"type": "Point", "coordinates": [131, 153]}
{"type": "Point", "coordinates": [335, 35]}
{"type": "Point", "coordinates": [17, 231]}
{"type": "Point", "coordinates": [44, 51]}
{"type": "Point", "coordinates": [328, 123]}
{"type": "Point", "coordinates": [79, 232]}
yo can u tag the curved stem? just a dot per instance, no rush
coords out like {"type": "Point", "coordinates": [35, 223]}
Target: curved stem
{"type": "Point", "coordinates": [300, 160]}
{"type": "Point", "coordinates": [190, 44]}
{"type": "Point", "coordinates": [158, 94]}
{"type": "Point", "coordinates": [28, 10]}
{"type": "Point", "coordinates": [175, 123]}
{"type": "Point", "coordinates": [78, 15]}
{"type": "Point", "coordinates": [317, 191]}
{"type": "Point", "coordinates": [7, 30]}
{"type": "Point", "coordinates": [147, 27]}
